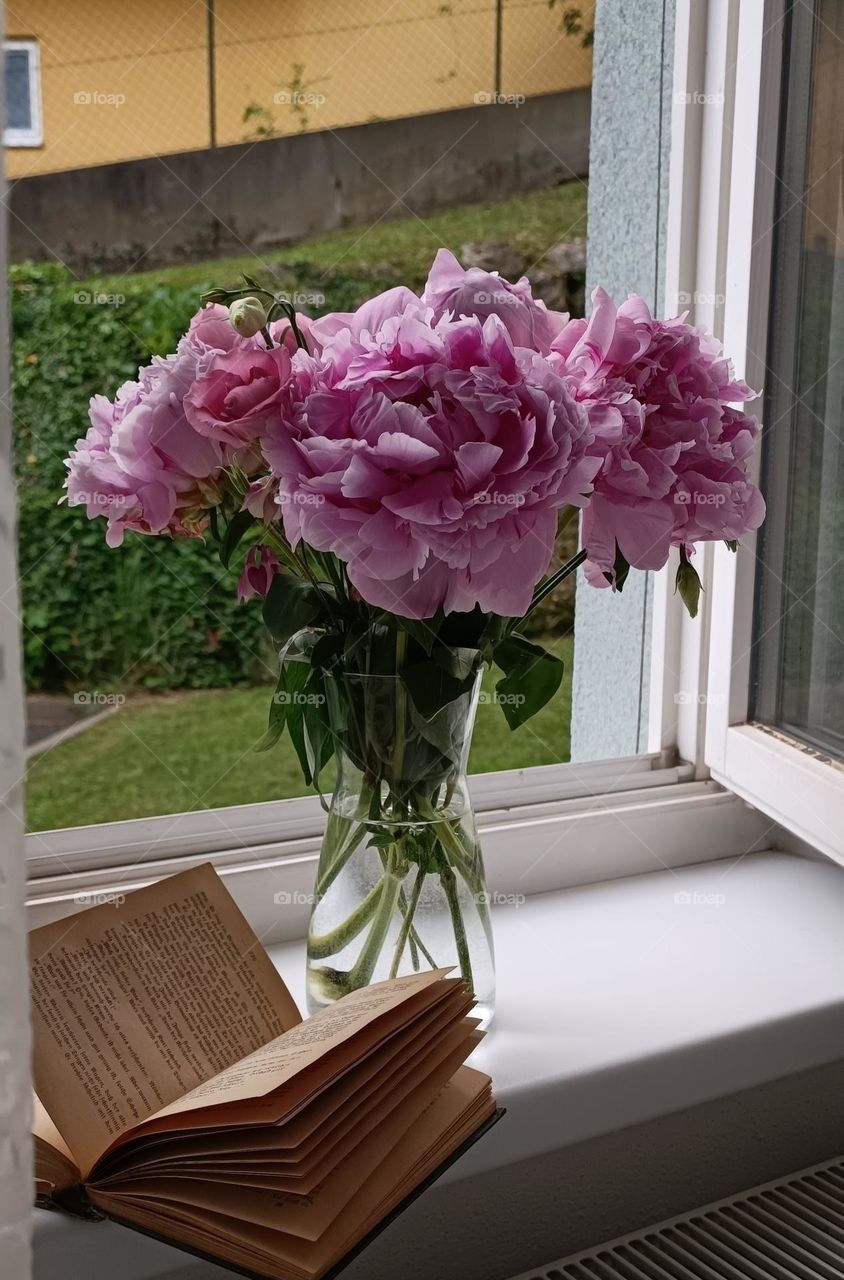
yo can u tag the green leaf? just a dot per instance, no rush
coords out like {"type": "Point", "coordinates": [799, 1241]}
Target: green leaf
{"type": "Point", "coordinates": [620, 570]}
{"type": "Point", "coordinates": [319, 742]}
{"type": "Point", "coordinates": [291, 604]}
{"type": "Point", "coordinates": [327, 652]}
{"type": "Point", "coordinates": [532, 677]}
{"type": "Point", "coordinates": [277, 716]}
{"type": "Point", "coordinates": [473, 630]}
{"type": "Point", "coordinates": [688, 584]}
{"type": "Point", "coordinates": [238, 526]}
{"type": "Point", "coordinates": [286, 708]}
{"type": "Point", "coordinates": [424, 631]}
{"type": "Point", "coordinates": [432, 688]}
{"type": "Point", "coordinates": [459, 663]}
{"type": "Point", "coordinates": [444, 730]}
{"type": "Point", "coordinates": [378, 838]}
{"type": "Point", "coordinates": [295, 685]}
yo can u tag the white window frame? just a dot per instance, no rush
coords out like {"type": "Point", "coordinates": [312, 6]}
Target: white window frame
{"type": "Point", "coordinates": [721, 216]}
{"type": "Point", "coordinates": [34, 136]}
{"type": "Point", "coordinates": [551, 827]}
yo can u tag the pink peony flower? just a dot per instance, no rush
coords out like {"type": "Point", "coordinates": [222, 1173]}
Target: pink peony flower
{"type": "Point", "coordinates": [211, 331]}
{"type": "Point", "coordinates": [258, 572]}
{"type": "Point", "coordinates": [260, 499]}
{"type": "Point", "coordinates": [141, 464]}
{"type": "Point", "coordinates": [281, 332]}
{"type": "Point", "coordinates": [674, 450]}
{"type": "Point", "coordinates": [454, 292]}
{"type": "Point", "coordinates": [432, 457]}
{"type": "Point", "coordinates": [237, 393]}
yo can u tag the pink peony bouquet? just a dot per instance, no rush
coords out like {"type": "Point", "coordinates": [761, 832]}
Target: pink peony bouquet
{"type": "Point", "coordinates": [391, 482]}
{"type": "Point", "coordinates": [408, 464]}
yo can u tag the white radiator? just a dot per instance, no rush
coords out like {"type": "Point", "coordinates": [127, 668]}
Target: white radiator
{"type": "Point", "coordinates": [792, 1229]}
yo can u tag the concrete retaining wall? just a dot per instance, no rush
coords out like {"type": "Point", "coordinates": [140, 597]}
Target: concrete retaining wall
{"type": "Point", "coordinates": [203, 204]}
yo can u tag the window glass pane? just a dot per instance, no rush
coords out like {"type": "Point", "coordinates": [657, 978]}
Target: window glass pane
{"type": "Point", "coordinates": [799, 674]}
{"type": "Point", "coordinates": [18, 103]}
{"type": "Point", "coordinates": [143, 653]}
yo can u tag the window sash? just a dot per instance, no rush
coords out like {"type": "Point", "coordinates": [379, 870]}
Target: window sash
{"type": "Point", "coordinates": [256, 829]}
{"type": "Point", "coordinates": [528, 849]}
{"type": "Point", "coordinates": [721, 221]}
{"type": "Point", "coordinates": [33, 136]}
{"type": "Point", "coordinates": [801, 465]}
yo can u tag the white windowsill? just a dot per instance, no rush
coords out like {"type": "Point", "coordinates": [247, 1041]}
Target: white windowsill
{"type": "Point", "coordinates": [616, 1004]}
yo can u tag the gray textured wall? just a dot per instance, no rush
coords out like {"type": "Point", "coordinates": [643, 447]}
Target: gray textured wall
{"type": "Point", "coordinates": [15, 1086]}
{"type": "Point", "coordinates": [628, 187]}
{"type": "Point", "coordinates": [206, 204]}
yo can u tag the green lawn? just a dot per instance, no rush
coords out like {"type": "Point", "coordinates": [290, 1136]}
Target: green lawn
{"type": "Point", "coordinates": [196, 750]}
{"type": "Point", "coordinates": [401, 247]}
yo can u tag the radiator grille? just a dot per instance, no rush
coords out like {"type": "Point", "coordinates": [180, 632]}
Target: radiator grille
{"type": "Point", "coordinates": [787, 1230]}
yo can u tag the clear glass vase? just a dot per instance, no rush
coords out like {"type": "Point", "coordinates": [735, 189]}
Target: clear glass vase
{"type": "Point", "coordinates": [400, 885]}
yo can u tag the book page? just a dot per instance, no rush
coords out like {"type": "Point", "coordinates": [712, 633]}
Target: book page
{"type": "Point", "coordinates": [457, 1111]}
{"type": "Point", "coordinates": [309, 1212]}
{"type": "Point", "coordinates": [55, 1167]}
{"type": "Point", "coordinates": [315, 1125]}
{"type": "Point", "coordinates": [134, 1005]}
{"type": "Point", "coordinates": [280, 1062]}
{"type": "Point", "coordinates": [341, 1151]}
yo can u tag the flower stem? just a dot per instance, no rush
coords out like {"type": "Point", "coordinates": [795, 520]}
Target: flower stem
{"type": "Point", "coordinates": [401, 708]}
{"type": "Point", "coordinates": [449, 884]}
{"type": "Point", "coordinates": [416, 940]}
{"type": "Point", "coordinates": [407, 924]}
{"type": "Point", "coordinates": [328, 944]}
{"type": "Point", "coordinates": [340, 859]}
{"type": "Point", "coordinates": [361, 973]}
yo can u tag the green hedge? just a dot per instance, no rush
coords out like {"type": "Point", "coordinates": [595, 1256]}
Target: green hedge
{"type": "Point", "coordinates": [154, 614]}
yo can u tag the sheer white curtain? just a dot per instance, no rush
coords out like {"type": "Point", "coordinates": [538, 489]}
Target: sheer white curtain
{"type": "Point", "coordinates": [15, 1146]}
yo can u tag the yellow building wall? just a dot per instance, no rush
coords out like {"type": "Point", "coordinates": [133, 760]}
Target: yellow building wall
{"type": "Point", "coordinates": [118, 80]}
{"type": "Point", "coordinates": [124, 80]}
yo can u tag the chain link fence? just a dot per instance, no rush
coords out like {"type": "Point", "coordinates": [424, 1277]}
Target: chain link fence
{"type": "Point", "coordinates": [161, 76]}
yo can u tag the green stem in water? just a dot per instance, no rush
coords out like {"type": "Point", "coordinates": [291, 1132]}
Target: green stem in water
{"type": "Point", "coordinates": [407, 924]}
{"type": "Point", "coordinates": [361, 973]}
{"type": "Point", "coordinates": [328, 944]}
{"type": "Point", "coordinates": [456, 854]}
{"type": "Point", "coordinates": [449, 884]}
{"type": "Point", "coordinates": [416, 941]}
{"type": "Point", "coordinates": [340, 859]}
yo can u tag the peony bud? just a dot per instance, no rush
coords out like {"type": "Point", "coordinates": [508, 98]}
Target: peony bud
{"type": "Point", "coordinates": [247, 316]}
{"type": "Point", "coordinates": [687, 583]}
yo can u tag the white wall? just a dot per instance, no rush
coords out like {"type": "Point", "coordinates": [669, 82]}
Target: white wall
{"type": "Point", "coordinates": [15, 1146]}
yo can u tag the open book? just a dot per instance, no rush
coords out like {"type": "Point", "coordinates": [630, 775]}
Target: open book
{"type": "Point", "coordinates": [179, 1091]}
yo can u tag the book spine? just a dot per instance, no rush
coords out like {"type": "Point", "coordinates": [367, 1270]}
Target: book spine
{"type": "Point", "coordinates": [72, 1200]}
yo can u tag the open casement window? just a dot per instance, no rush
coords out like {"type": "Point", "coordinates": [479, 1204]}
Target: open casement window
{"type": "Point", "coordinates": [22, 85]}
{"type": "Point", "coordinates": [547, 826]}
{"type": "Point", "coordinates": [756, 241]}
